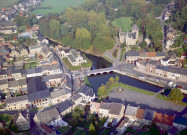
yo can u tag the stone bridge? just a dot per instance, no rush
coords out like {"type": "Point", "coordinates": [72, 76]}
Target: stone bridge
{"type": "Point", "coordinates": [101, 71]}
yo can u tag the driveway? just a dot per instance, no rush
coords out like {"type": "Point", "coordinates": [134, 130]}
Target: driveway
{"type": "Point", "coordinates": [145, 102]}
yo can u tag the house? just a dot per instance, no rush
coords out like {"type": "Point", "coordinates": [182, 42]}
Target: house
{"type": "Point", "coordinates": [169, 42]}
{"type": "Point", "coordinates": [39, 98]}
{"type": "Point", "coordinates": [140, 115]}
{"type": "Point", "coordinates": [35, 49]}
{"type": "Point", "coordinates": [87, 93]}
{"type": "Point", "coordinates": [42, 40]}
{"type": "Point", "coordinates": [60, 95]}
{"type": "Point", "coordinates": [167, 15]}
{"type": "Point", "coordinates": [7, 30]}
{"type": "Point", "coordinates": [129, 38]}
{"type": "Point", "coordinates": [63, 51]}
{"type": "Point", "coordinates": [180, 123]}
{"type": "Point", "coordinates": [22, 120]}
{"type": "Point", "coordinates": [116, 110]}
{"type": "Point", "coordinates": [104, 109]}
{"type": "Point", "coordinates": [17, 103]}
{"type": "Point", "coordinates": [55, 69]}
{"type": "Point", "coordinates": [4, 85]}
{"type": "Point", "coordinates": [184, 55]}
{"type": "Point", "coordinates": [148, 116]}
{"type": "Point", "coordinates": [65, 107]}
{"type": "Point", "coordinates": [163, 121]}
{"type": "Point", "coordinates": [17, 85]}
{"type": "Point", "coordinates": [54, 80]}
{"type": "Point", "coordinates": [77, 99]}
{"type": "Point", "coordinates": [132, 56]}
{"type": "Point", "coordinates": [3, 75]}
{"type": "Point", "coordinates": [45, 52]}
{"type": "Point", "coordinates": [34, 72]}
{"type": "Point", "coordinates": [131, 113]}
{"type": "Point", "coordinates": [75, 58]}
{"type": "Point", "coordinates": [94, 107]}
{"type": "Point", "coordinates": [49, 117]}
{"type": "Point", "coordinates": [18, 74]}
{"type": "Point", "coordinates": [4, 50]}
{"type": "Point", "coordinates": [123, 125]}
{"type": "Point", "coordinates": [22, 50]}
{"type": "Point", "coordinates": [2, 62]}
{"type": "Point", "coordinates": [14, 53]}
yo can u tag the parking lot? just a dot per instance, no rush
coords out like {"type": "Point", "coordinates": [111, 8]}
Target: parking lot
{"type": "Point", "coordinates": [145, 102]}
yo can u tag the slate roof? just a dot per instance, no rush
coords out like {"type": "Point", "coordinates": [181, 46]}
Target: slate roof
{"type": "Point", "coordinates": [2, 60]}
{"type": "Point", "coordinates": [36, 84]}
{"type": "Point", "coordinates": [160, 54]}
{"type": "Point", "coordinates": [46, 67]}
{"type": "Point", "coordinates": [3, 72]}
{"type": "Point", "coordinates": [105, 105]}
{"type": "Point", "coordinates": [51, 77]}
{"type": "Point", "coordinates": [163, 118]}
{"type": "Point", "coordinates": [71, 58]}
{"type": "Point", "coordinates": [74, 53]}
{"type": "Point", "coordinates": [76, 97]}
{"type": "Point", "coordinates": [131, 110]}
{"type": "Point", "coordinates": [149, 114]}
{"type": "Point", "coordinates": [21, 47]}
{"type": "Point", "coordinates": [57, 93]}
{"type": "Point", "coordinates": [55, 66]}
{"type": "Point", "coordinates": [115, 108]}
{"type": "Point", "coordinates": [40, 38]}
{"type": "Point", "coordinates": [34, 70]}
{"type": "Point", "coordinates": [47, 116]}
{"type": "Point", "coordinates": [164, 68]}
{"type": "Point", "coordinates": [177, 70]}
{"type": "Point", "coordinates": [2, 82]}
{"type": "Point", "coordinates": [180, 120]}
{"type": "Point", "coordinates": [65, 105]}
{"type": "Point", "coordinates": [133, 53]}
{"type": "Point", "coordinates": [86, 90]}
{"type": "Point", "coordinates": [38, 95]}
{"type": "Point", "coordinates": [68, 82]}
{"type": "Point", "coordinates": [16, 99]}
{"type": "Point", "coordinates": [35, 47]}
{"type": "Point", "coordinates": [166, 59]}
{"type": "Point", "coordinates": [4, 50]}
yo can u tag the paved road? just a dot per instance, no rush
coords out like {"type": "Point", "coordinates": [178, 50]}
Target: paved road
{"type": "Point", "coordinates": [110, 52]}
{"type": "Point", "coordinates": [146, 102]}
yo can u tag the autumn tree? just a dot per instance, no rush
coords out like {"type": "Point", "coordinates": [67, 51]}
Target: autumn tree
{"type": "Point", "coordinates": [176, 95]}
{"type": "Point", "coordinates": [92, 130]}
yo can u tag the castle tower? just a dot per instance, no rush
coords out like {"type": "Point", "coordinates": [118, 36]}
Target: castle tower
{"type": "Point", "coordinates": [135, 29]}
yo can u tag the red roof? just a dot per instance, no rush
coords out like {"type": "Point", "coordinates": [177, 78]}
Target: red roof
{"type": "Point", "coordinates": [163, 119]}
{"type": "Point", "coordinates": [151, 54]}
{"type": "Point", "coordinates": [46, 128]}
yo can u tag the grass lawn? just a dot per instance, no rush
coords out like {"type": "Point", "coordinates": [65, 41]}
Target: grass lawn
{"type": "Point", "coordinates": [114, 85]}
{"type": "Point", "coordinates": [124, 23]}
{"type": "Point", "coordinates": [88, 64]}
{"type": "Point", "coordinates": [70, 67]}
{"type": "Point", "coordinates": [7, 3]}
{"type": "Point", "coordinates": [122, 54]}
{"type": "Point", "coordinates": [63, 129]}
{"type": "Point", "coordinates": [30, 65]}
{"type": "Point", "coordinates": [56, 6]}
{"type": "Point", "coordinates": [79, 132]}
{"type": "Point", "coordinates": [108, 59]}
{"type": "Point", "coordinates": [170, 100]}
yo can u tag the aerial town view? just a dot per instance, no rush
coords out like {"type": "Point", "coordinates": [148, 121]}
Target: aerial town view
{"type": "Point", "coordinates": [93, 67]}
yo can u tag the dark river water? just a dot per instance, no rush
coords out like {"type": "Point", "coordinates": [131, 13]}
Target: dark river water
{"type": "Point", "coordinates": [96, 82]}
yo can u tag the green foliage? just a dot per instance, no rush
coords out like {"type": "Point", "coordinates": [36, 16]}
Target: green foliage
{"type": "Point", "coordinates": [116, 79]}
{"type": "Point", "coordinates": [88, 64]}
{"type": "Point", "coordinates": [14, 128]}
{"type": "Point", "coordinates": [102, 91]}
{"type": "Point", "coordinates": [92, 130]}
{"type": "Point", "coordinates": [54, 26]}
{"type": "Point", "coordinates": [87, 81]}
{"type": "Point", "coordinates": [123, 23]}
{"type": "Point", "coordinates": [6, 118]}
{"type": "Point", "coordinates": [25, 21]}
{"type": "Point", "coordinates": [143, 45]}
{"type": "Point", "coordinates": [70, 67]}
{"type": "Point", "coordinates": [123, 45]}
{"type": "Point", "coordinates": [4, 131]}
{"type": "Point", "coordinates": [176, 95]}
{"type": "Point", "coordinates": [183, 132]}
{"type": "Point", "coordinates": [178, 17]}
{"type": "Point", "coordinates": [111, 79]}
{"type": "Point", "coordinates": [63, 129]}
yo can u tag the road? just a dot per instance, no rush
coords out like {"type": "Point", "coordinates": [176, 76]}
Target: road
{"type": "Point", "coordinates": [110, 52]}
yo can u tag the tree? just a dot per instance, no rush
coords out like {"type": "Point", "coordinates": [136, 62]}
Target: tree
{"type": "Point", "coordinates": [176, 95]}
{"type": "Point", "coordinates": [143, 45]}
{"type": "Point", "coordinates": [123, 45]}
{"type": "Point", "coordinates": [92, 130]}
{"type": "Point", "coordinates": [111, 79]}
{"type": "Point", "coordinates": [116, 79]}
{"type": "Point", "coordinates": [101, 90]}
{"type": "Point", "coordinates": [54, 26]}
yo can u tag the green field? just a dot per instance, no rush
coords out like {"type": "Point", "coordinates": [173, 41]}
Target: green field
{"type": "Point", "coordinates": [56, 6]}
{"type": "Point", "coordinates": [7, 3]}
{"type": "Point", "coordinates": [124, 23]}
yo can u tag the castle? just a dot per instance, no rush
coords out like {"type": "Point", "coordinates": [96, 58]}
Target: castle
{"type": "Point", "coordinates": [129, 38]}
